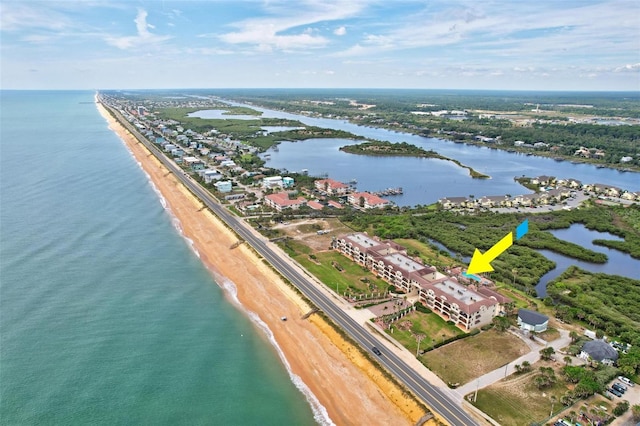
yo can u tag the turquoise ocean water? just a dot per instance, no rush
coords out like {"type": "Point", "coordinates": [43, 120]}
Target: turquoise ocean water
{"type": "Point", "coordinates": [106, 315]}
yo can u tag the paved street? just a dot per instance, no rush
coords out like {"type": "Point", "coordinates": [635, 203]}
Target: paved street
{"type": "Point", "coordinates": [505, 370]}
{"type": "Point", "coordinates": [393, 358]}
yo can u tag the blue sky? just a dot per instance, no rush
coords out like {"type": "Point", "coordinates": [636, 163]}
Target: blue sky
{"type": "Point", "coordinates": [432, 44]}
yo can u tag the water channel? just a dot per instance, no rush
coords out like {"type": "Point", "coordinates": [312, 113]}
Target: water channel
{"type": "Point", "coordinates": [424, 181]}
{"type": "Point", "coordinates": [618, 263]}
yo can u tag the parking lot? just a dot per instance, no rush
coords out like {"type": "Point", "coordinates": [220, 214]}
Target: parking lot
{"type": "Point", "coordinates": [632, 395]}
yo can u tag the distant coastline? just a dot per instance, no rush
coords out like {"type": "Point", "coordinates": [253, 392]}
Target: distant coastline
{"type": "Point", "coordinates": [344, 391]}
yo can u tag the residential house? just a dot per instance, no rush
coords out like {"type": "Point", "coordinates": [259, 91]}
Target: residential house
{"type": "Point", "coordinates": [543, 180]}
{"type": "Point", "coordinates": [454, 202]}
{"type": "Point", "coordinates": [272, 182]}
{"type": "Point", "coordinates": [334, 204]}
{"type": "Point", "coordinates": [602, 189]}
{"type": "Point", "coordinates": [526, 200]}
{"type": "Point", "coordinates": [599, 350]}
{"type": "Point", "coordinates": [574, 184]}
{"type": "Point", "coordinates": [223, 186]}
{"type": "Point", "coordinates": [195, 163]}
{"type": "Point", "coordinates": [177, 152]}
{"type": "Point", "coordinates": [461, 304]}
{"type": "Point", "coordinates": [315, 205]}
{"type": "Point", "coordinates": [366, 200]}
{"type": "Point", "coordinates": [210, 175]}
{"type": "Point", "coordinates": [331, 187]}
{"type": "Point", "coordinates": [287, 182]}
{"type": "Point", "coordinates": [494, 201]}
{"type": "Point", "coordinates": [540, 145]}
{"type": "Point", "coordinates": [281, 201]}
{"type": "Point", "coordinates": [532, 321]}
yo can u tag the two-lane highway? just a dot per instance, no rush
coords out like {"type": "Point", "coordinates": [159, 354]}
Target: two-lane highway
{"type": "Point", "coordinates": [432, 396]}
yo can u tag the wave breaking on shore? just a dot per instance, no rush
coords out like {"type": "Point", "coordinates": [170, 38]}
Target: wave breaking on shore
{"type": "Point", "coordinates": [320, 413]}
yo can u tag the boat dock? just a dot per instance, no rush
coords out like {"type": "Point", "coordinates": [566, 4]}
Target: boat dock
{"type": "Point", "coordinates": [389, 191]}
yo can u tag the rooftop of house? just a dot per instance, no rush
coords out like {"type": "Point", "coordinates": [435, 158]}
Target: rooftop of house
{"type": "Point", "coordinates": [600, 350]}
{"type": "Point", "coordinates": [458, 292]}
{"type": "Point", "coordinates": [532, 317]}
{"type": "Point", "coordinates": [362, 240]}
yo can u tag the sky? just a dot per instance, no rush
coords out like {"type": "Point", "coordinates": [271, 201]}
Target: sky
{"type": "Point", "coordinates": [428, 44]}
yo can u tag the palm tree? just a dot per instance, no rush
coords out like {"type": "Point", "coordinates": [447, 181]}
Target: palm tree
{"type": "Point", "coordinates": [419, 338]}
{"type": "Point", "coordinates": [574, 336]}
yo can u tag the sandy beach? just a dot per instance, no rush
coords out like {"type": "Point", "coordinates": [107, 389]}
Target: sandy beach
{"type": "Point", "coordinates": [346, 384]}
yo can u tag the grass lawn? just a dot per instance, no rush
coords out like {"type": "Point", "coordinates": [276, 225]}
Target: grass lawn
{"type": "Point", "coordinates": [430, 325]}
{"type": "Point", "coordinates": [349, 278]}
{"type": "Point", "coordinates": [518, 401]}
{"type": "Point", "coordinates": [549, 335]}
{"type": "Point", "coordinates": [464, 360]}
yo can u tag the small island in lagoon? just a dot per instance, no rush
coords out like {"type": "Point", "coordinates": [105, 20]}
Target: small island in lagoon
{"type": "Point", "coordinates": [403, 149]}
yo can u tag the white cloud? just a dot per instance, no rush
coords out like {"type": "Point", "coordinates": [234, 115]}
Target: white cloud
{"type": "Point", "coordinates": [280, 30]}
{"type": "Point", "coordinates": [548, 32]}
{"type": "Point", "coordinates": [628, 68]}
{"type": "Point", "coordinates": [340, 31]}
{"type": "Point", "coordinates": [18, 16]}
{"type": "Point", "coordinates": [144, 37]}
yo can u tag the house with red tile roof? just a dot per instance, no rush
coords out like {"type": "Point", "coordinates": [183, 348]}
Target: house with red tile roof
{"type": "Point", "coordinates": [281, 201]}
{"type": "Point", "coordinates": [315, 205]}
{"type": "Point", "coordinates": [464, 305]}
{"type": "Point", "coordinates": [366, 200]}
{"type": "Point", "coordinates": [331, 187]}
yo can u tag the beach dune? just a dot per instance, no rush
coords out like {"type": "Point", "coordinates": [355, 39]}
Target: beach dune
{"type": "Point", "coordinates": [346, 384]}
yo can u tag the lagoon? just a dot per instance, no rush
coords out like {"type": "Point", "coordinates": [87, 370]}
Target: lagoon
{"type": "Point", "coordinates": [618, 263]}
{"type": "Point", "coordinates": [425, 180]}
{"type": "Point", "coordinates": [221, 114]}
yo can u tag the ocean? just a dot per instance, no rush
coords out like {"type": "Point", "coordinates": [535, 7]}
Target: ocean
{"type": "Point", "coordinates": [107, 316]}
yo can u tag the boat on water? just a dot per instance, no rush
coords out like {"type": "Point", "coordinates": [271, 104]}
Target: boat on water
{"type": "Point", "coordinates": [353, 181]}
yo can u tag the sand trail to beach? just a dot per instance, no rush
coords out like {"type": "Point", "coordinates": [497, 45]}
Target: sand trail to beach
{"type": "Point", "coordinates": [345, 383]}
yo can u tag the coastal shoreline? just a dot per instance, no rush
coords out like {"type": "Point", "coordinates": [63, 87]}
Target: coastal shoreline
{"type": "Point", "coordinates": [346, 384]}
{"type": "Point", "coordinates": [575, 160]}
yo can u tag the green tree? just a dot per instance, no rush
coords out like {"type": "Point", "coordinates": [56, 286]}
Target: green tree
{"type": "Point", "coordinates": [629, 363]}
{"type": "Point", "coordinates": [574, 336]}
{"type": "Point", "coordinates": [547, 353]}
{"type": "Point", "coordinates": [501, 323]}
{"type": "Point", "coordinates": [621, 408]}
{"type": "Point", "coordinates": [635, 413]}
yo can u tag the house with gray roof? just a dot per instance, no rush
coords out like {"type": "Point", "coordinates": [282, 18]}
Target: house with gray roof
{"type": "Point", "coordinates": [599, 350]}
{"type": "Point", "coordinates": [532, 321]}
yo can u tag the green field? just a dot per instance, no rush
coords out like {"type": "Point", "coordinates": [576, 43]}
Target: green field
{"type": "Point", "coordinates": [431, 325]}
{"type": "Point", "coordinates": [349, 279]}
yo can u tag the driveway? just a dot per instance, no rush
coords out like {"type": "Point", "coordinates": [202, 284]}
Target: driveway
{"type": "Point", "coordinates": [502, 372]}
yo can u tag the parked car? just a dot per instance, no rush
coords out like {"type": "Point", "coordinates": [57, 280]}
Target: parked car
{"type": "Point", "coordinates": [619, 387]}
{"type": "Point", "coordinates": [615, 392]}
{"type": "Point", "coordinates": [625, 381]}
